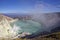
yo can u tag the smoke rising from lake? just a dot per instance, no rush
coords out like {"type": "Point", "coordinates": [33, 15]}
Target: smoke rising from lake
{"type": "Point", "coordinates": [48, 20]}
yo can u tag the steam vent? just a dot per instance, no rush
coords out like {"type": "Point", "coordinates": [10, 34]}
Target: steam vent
{"type": "Point", "coordinates": [14, 28]}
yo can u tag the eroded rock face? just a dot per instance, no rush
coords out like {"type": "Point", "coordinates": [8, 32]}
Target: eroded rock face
{"type": "Point", "coordinates": [6, 29]}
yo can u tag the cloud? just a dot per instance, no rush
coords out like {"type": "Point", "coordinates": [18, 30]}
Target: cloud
{"type": "Point", "coordinates": [8, 11]}
{"type": "Point", "coordinates": [58, 6]}
{"type": "Point", "coordinates": [41, 7]}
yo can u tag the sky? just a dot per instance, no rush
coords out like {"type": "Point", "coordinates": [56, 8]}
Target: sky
{"type": "Point", "coordinates": [29, 6]}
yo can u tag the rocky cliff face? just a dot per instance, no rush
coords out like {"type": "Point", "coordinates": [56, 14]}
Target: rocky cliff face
{"type": "Point", "coordinates": [5, 27]}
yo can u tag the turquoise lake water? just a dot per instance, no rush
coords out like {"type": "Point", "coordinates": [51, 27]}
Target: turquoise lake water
{"type": "Point", "coordinates": [28, 26]}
